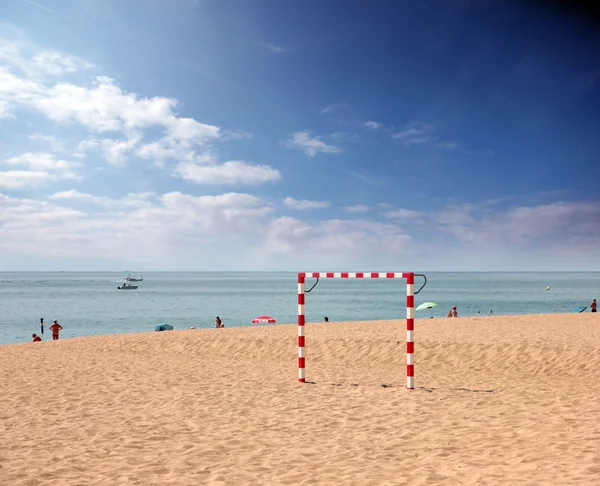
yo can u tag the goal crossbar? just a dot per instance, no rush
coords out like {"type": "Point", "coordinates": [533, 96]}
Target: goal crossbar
{"type": "Point", "coordinates": [410, 313]}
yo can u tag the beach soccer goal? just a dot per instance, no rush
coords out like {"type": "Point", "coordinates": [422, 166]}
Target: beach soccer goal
{"type": "Point", "coordinates": [410, 313]}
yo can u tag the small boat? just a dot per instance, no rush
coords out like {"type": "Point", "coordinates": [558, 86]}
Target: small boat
{"type": "Point", "coordinates": [127, 286]}
{"type": "Point", "coordinates": [129, 278]}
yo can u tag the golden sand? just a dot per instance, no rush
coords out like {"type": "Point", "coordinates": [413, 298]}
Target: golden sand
{"type": "Point", "coordinates": [499, 400]}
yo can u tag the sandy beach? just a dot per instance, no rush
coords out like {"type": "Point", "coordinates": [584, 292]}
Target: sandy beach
{"type": "Point", "coordinates": [498, 400]}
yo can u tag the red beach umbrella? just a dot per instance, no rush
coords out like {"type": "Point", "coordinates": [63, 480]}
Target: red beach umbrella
{"type": "Point", "coordinates": [263, 320]}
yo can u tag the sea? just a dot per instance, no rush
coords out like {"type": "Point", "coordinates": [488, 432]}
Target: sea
{"type": "Point", "coordinates": [89, 303]}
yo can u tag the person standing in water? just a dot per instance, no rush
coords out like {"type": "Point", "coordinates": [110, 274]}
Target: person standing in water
{"type": "Point", "coordinates": [593, 306]}
{"type": "Point", "coordinates": [219, 323]}
{"type": "Point", "coordinates": [55, 328]}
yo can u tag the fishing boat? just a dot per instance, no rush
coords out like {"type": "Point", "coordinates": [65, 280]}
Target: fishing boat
{"type": "Point", "coordinates": [127, 286]}
{"type": "Point", "coordinates": [129, 278]}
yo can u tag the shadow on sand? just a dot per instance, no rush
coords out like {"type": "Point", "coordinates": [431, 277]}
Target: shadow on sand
{"type": "Point", "coordinates": [422, 388]}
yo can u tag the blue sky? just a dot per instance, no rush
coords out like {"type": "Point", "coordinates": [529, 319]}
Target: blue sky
{"type": "Point", "coordinates": [264, 135]}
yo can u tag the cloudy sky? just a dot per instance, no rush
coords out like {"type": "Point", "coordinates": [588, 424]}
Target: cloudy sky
{"type": "Point", "coordinates": [272, 135]}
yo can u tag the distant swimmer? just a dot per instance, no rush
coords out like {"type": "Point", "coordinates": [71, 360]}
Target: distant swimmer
{"type": "Point", "coordinates": [55, 328]}
{"type": "Point", "coordinates": [36, 338]}
{"type": "Point", "coordinates": [219, 323]}
{"type": "Point", "coordinates": [593, 306]}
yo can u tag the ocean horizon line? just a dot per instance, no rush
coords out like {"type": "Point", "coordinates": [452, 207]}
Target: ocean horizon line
{"type": "Point", "coordinates": [295, 271]}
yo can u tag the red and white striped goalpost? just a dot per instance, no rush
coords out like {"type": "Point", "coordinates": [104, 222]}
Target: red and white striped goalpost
{"type": "Point", "coordinates": [410, 314]}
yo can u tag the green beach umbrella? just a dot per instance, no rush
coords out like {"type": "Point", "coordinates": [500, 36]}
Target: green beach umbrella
{"type": "Point", "coordinates": [426, 305]}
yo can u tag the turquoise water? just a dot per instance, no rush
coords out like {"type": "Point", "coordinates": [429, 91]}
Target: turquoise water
{"type": "Point", "coordinates": [89, 303]}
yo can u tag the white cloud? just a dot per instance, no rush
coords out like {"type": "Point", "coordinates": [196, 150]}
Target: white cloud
{"type": "Point", "coordinates": [18, 179]}
{"type": "Point", "coordinates": [403, 214]}
{"type": "Point", "coordinates": [38, 169]}
{"type": "Point", "coordinates": [178, 227]}
{"type": "Point", "coordinates": [115, 152]}
{"type": "Point", "coordinates": [372, 124]}
{"type": "Point", "coordinates": [55, 144]}
{"type": "Point", "coordinates": [100, 107]}
{"type": "Point", "coordinates": [58, 64]}
{"type": "Point", "coordinates": [273, 48]}
{"type": "Point", "coordinates": [555, 236]}
{"type": "Point", "coordinates": [241, 231]}
{"type": "Point", "coordinates": [5, 110]}
{"type": "Point", "coordinates": [557, 224]}
{"type": "Point", "coordinates": [415, 133]}
{"type": "Point", "coordinates": [133, 200]}
{"type": "Point", "coordinates": [161, 151]}
{"type": "Point", "coordinates": [10, 55]}
{"type": "Point", "coordinates": [104, 107]}
{"type": "Point", "coordinates": [368, 179]}
{"type": "Point", "coordinates": [231, 206]}
{"type": "Point", "coordinates": [189, 130]}
{"type": "Point", "coordinates": [358, 208]}
{"type": "Point", "coordinates": [41, 161]}
{"type": "Point", "coordinates": [44, 63]}
{"type": "Point", "coordinates": [421, 133]}
{"type": "Point", "coordinates": [456, 216]}
{"type": "Point", "coordinates": [236, 135]}
{"type": "Point", "coordinates": [231, 230]}
{"type": "Point", "coordinates": [335, 107]}
{"type": "Point", "coordinates": [310, 145]}
{"type": "Point", "coordinates": [124, 124]}
{"type": "Point", "coordinates": [18, 90]}
{"type": "Point", "coordinates": [451, 145]}
{"type": "Point", "coordinates": [234, 172]}
{"type": "Point", "coordinates": [339, 135]}
{"type": "Point", "coordinates": [333, 241]}
{"type": "Point", "coordinates": [292, 203]}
